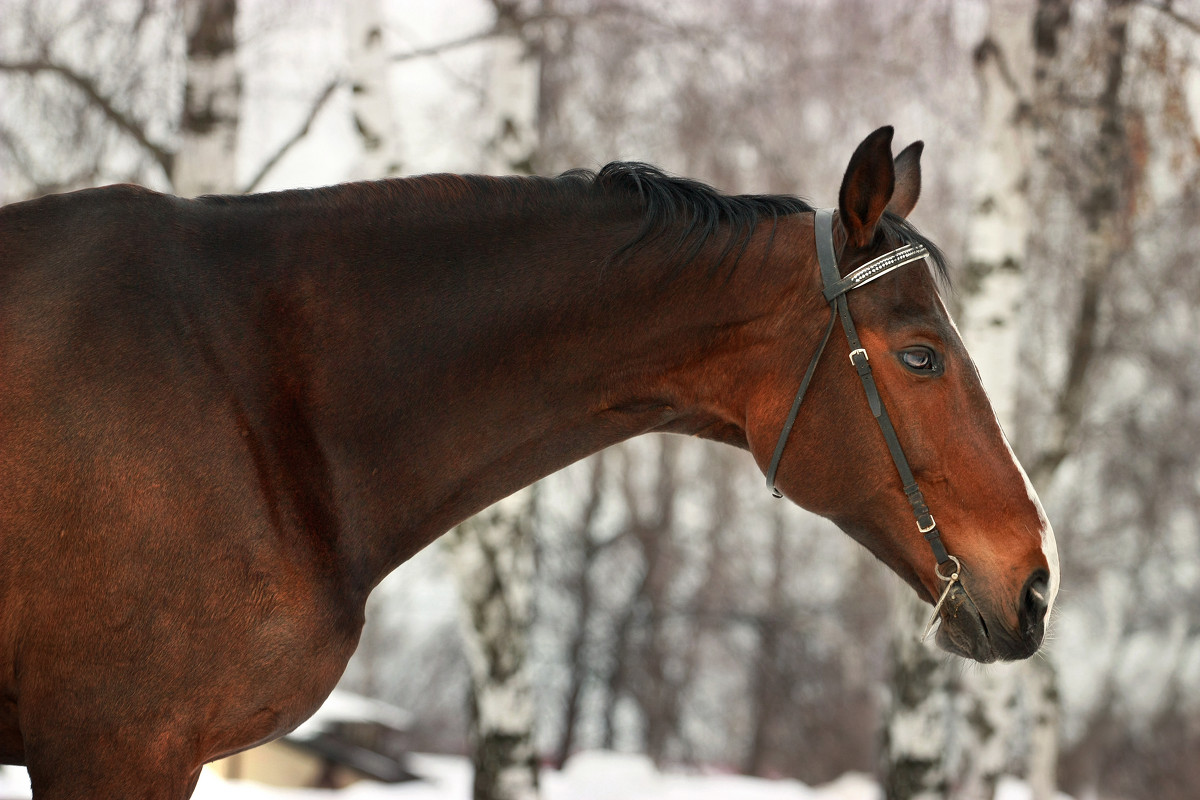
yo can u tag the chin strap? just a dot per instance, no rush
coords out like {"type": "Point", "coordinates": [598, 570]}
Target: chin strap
{"type": "Point", "coordinates": [836, 288]}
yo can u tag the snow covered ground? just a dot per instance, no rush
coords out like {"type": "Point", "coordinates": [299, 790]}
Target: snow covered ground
{"type": "Point", "coordinates": [587, 776]}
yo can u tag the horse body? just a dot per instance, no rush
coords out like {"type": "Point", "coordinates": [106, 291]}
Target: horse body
{"type": "Point", "coordinates": [224, 420]}
{"type": "Point", "coordinates": [313, 368]}
{"type": "Point", "coordinates": [163, 511]}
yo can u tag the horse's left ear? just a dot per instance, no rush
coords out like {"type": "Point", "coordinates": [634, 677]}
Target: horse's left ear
{"type": "Point", "coordinates": [908, 180]}
{"type": "Point", "coordinates": [867, 187]}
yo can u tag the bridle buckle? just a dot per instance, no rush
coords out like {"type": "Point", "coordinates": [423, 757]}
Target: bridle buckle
{"type": "Point", "coordinates": [855, 352]}
{"type": "Point", "coordinates": [923, 528]}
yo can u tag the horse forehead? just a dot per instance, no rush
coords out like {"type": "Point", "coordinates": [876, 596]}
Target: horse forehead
{"type": "Point", "coordinates": [906, 298]}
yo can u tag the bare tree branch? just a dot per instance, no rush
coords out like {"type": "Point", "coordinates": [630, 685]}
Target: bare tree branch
{"type": "Point", "coordinates": [270, 163]}
{"type": "Point", "coordinates": [507, 18]}
{"type": "Point", "coordinates": [84, 84]}
{"type": "Point", "coordinates": [442, 47]}
{"type": "Point", "coordinates": [1167, 9]}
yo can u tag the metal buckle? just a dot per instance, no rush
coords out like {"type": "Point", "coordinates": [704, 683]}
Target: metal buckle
{"type": "Point", "coordinates": [853, 353]}
{"type": "Point", "coordinates": [950, 580]}
{"type": "Point", "coordinates": [923, 529]}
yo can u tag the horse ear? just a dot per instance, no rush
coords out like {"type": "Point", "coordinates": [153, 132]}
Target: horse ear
{"type": "Point", "coordinates": [867, 187]}
{"type": "Point", "coordinates": [908, 180]}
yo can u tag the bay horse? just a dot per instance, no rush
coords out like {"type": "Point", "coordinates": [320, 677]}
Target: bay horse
{"type": "Point", "coordinates": [224, 420]}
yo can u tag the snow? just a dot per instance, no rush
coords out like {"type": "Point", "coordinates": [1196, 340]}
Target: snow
{"type": "Point", "coordinates": [14, 783]}
{"type": "Point", "coordinates": [587, 776]}
{"type": "Point", "coordinates": [1009, 788]}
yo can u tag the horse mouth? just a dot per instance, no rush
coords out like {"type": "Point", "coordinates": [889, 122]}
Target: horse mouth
{"type": "Point", "coordinates": [963, 631]}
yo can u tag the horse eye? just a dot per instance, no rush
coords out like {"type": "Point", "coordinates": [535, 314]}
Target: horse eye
{"type": "Point", "coordinates": [920, 359]}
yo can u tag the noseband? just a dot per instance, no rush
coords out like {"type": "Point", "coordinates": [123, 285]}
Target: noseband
{"type": "Point", "coordinates": [835, 291]}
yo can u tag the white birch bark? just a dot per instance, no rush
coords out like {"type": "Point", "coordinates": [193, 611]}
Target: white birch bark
{"type": "Point", "coordinates": [370, 100]}
{"type": "Point", "coordinates": [1010, 728]}
{"type": "Point", "coordinates": [917, 737]}
{"type": "Point", "coordinates": [206, 161]}
{"type": "Point", "coordinates": [493, 558]}
{"type": "Point", "coordinates": [511, 99]}
{"type": "Point", "coordinates": [998, 227]}
{"type": "Point", "coordinates": [1000, 715]}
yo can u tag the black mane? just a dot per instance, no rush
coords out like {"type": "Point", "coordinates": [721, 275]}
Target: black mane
{"type": "Point", "coordinates": [699, 211]}
{"type": "Point", "coordinates": [696, 209]}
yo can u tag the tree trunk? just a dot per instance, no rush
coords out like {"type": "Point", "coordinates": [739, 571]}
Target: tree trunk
{"type": "Point", "coordinates": [511, 97]}
{"type": "Point", "coordinates": [1086, 168]}
{"type": "Point", "coordinates": [994, 277]}
{"type": "Point", "coordinates": [1003, 706]}
{"type": "Point", "coordinates": [916, 737]}
{"type": "Point", "coordinates": [579, 666]}
{"type": "Point", "coordinates": [493, 556]}
{"type": "Point", "coordinates": [1071, 109]}
{"type": "Point", "coordinates": [764, 691]}
{"type": "Point", "coordinates": [206, 162]}
{"type": "Point", "coordinates": [1041, 769]}
{"type": "Point", "coordinates": [659, 669]}
{"type": "Point", "coordinates": [999, 711]}
{"type": "Point", "coordinates": [370, 100]}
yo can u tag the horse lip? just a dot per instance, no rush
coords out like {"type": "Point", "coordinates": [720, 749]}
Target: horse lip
{"type": "Point", "coordinates": [963, 631]}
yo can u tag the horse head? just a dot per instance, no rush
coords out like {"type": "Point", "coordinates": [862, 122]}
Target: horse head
{"type": "Point", "coordinates": [902, 365]}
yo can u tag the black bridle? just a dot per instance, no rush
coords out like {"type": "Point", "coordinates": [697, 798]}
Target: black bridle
{"type": "Point", "coordinates": [836, 288]}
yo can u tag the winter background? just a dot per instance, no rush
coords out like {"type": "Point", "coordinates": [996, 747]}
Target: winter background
{"type": "Point", "coordinates": [684, 634]}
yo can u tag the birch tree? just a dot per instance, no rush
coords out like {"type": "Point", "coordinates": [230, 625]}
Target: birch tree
{"type": "Point", "coordinates": [494, 552]}
{"type": "Point", "coordinates": [493, 558]}
{"type": "Point", "coordinates": [510, 102]}
{"type": "Point", "coordinates": [1056, 139]}
{"type": "Point", "coordinates": [206, 161]}
{"type": "Point", "coordinates": [1093, 191]}
{"type": "Point", "coordinates": [918, 741]}
{"type": "Point", "coordinates": [1012, 709]}
{"type": "Point", "coordinates": [928, 703]}
{"type": "Point", "coordinates": [1005, 715]}
{"type": "Point", "coordinates": [370, 102]}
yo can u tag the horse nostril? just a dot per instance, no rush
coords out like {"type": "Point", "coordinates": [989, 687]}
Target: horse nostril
{"type": "Point", "coordinates": [1034, 603]}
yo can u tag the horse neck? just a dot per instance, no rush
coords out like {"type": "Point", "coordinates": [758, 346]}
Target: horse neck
{"type": "Point", "coordinates": [495, 342]}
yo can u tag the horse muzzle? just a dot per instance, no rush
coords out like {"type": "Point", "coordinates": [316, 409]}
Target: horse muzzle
{"type": "Point", "coordinates": [967, 631]}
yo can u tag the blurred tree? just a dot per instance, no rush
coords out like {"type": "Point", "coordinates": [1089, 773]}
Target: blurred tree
{"type": "Point", "coordinates": [88, 95]}
{"type": "Point", "coordinates": [205, 161]}
{"type": "Point", "coordinates": [370, 97]}
{"type": "Point", "coordinates": [586, 542]}
{"type": "Point", "coordinates": [493, 558]}
{"type": "Point", "coordinates": [145, 92]}
{"type": "Point", "coordinates": [511, 100]}
{"type": "Point", "coordinates": [1116, 175]}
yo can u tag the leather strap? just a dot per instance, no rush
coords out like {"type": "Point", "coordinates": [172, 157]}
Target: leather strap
{"type": "Point", "coordinates": [791, 417]}
{"type": "Point", "coordinates": [835, 289]}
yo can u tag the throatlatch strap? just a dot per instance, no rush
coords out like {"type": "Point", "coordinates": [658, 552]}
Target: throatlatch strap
{"type": "Point", "coordinates": [822, 220]}
{"type": "Point", "coordinates": [835, 291]}
{"type": "Point", "coordinates": [791, 417]}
